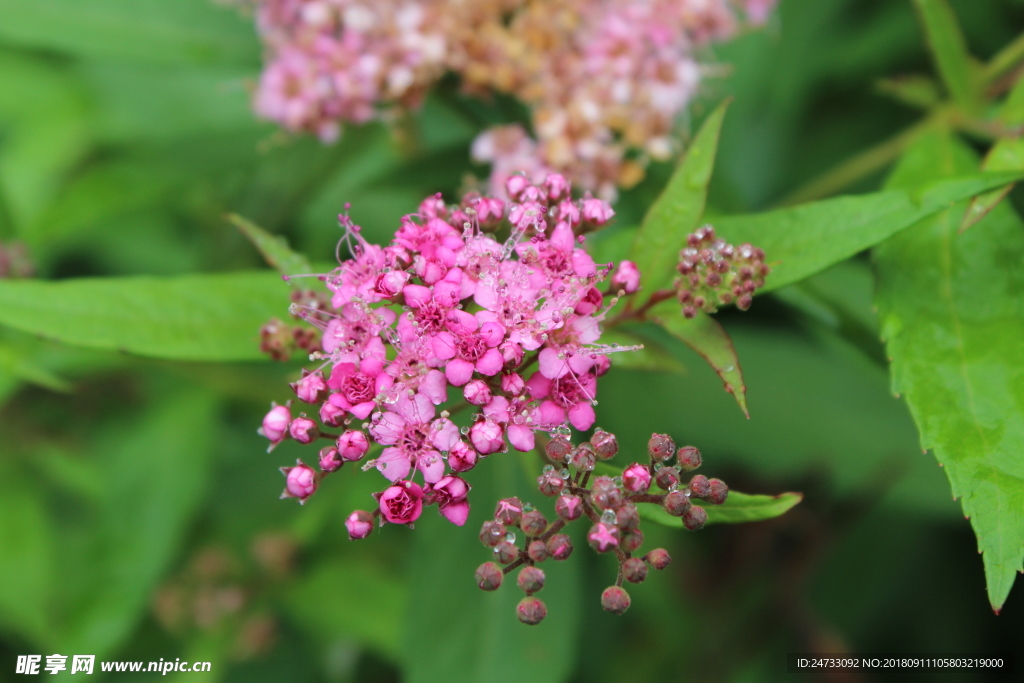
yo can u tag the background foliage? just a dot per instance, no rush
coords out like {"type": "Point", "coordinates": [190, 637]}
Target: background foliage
{"type": "Point", "coordinates": [138, 511]}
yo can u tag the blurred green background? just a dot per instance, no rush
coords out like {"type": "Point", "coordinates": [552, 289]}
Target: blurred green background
{"type": "Point", "coordinates": [139, 517]}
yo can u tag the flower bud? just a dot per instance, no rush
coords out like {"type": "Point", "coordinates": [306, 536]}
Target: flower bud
{"type": "Point", "coordinates": [332, 415]}
{"type": "Point", "coordinates": [626, 277]}
{"type": "Point", "coordinates": [530, 579]}
{"type": "Point", "coordinates": [329, 460]}
{"type": "Point", "coordinates": [513, 384]}
{"type": "Point", "coordinates": [300, 481]}
{"type": "Point", "coordinates": [632, 541]}
{"type": "Point", "coordinates": [311, 388]}
{"type": "Point", "coordinates": [462, 457]}
{"type": "Point", "coordinates": [489, 576]}
{"type": "Point", "coordinates": [450, 493]}
{"type": "Point", "coordinates": [603, 537]}
{"type": "Point", "coordinates": [559, 546]}
{"type": "Point", "coordinates": [700, 486]}
{"type": "Point", "coordinates": [596, 211]}
{"type": "Point", "coordinates": [634, 570]}
{"type": "Point", "coordinates": [359, 524]}
{"type": "Point", "coordinates": [615, 599]}
{"type": "Point", "coordinates": [402, 503]}
{"type": "Point", "coordinates": [636, 478]}
{"type": "Point", "coordinates": [515, 185]}
{"type": "Point", "coordinates": [695, 518]}
{"type": "Point", "coordinates": [627, 517]}
{"type": "Point", "coordinates": [556, 187]}
{"type": "Point", "coordinates": [661, 447]}
{"type": "Point", "coordinates": [530, 610]}
{"type": "Point", "coordinates": [486, 437]}
{"type": "Point", "coordinates": [667, 478]}
{"type": "Point", "coordinates": [537, 551]}
{"type": "Point", "coordinates": [476, 392]}
{"type": "Point", "coordinates": [352, 445]}
{"type": "Point", "coordinates": [557, 449]}
{"type": "Point", "coordinates": [506, 552]}
{"type": "Point", "coordinates": [676, 503]}
{"type": "Point", "coordinates": [550, 483]}
{"type": "Point", "coordinates": [688, 458]}
{"type": "Point", "coordinates": [583, 457]}
{"type": "Point", "coordinates": [533, 523]}
{"type": "Point", "coordinates": [275, 424]}
{"type": "Point", "coordinates": [719, 491]}
{"type": "Point", "coordinates": [303, 430]}
{"type": "Point", "coordinates": [605, 444]}
{"type": "Point", "coordinates": [509, 511]}
{"type": "Point", "coordinates": [492, 533]}
{"type": "Point", "coordinates": [658, 558]}
{"type": "Point", "coordinates": [569, 507]}
{"type": "Point", "coordinates": [605, 493]}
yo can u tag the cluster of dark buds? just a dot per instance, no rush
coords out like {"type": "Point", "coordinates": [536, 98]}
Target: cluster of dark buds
{"type": "Point", "coordinates": [279, 340]}
{"type": "Point", "coordinates": [608, 503]}
{"type": "Point", "coordinates": [714, 273]}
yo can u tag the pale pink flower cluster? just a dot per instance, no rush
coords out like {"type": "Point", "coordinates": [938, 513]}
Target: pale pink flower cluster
{"type": "Point", "coordinates": [605, 79]}
{"type": "Point", "coordinates": [512, 326]}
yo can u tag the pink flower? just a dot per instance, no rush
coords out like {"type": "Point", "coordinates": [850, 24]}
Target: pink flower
{"type": "Point", "coordinates": [567, 395]}
{"type": "Point", "coordinates": [450, 495]}
{"type": "Point", "coordinates": [359, 524]}
{"type": "Point", "coordinates": [462, 457]}
{"type": "Point", "coordinates": [275, 424]}
{"type": "Point", "coordinates": [467, 346]}
{"type": "Point", "coordinates": [300, 482]}
{"type": "Point", "coordinates": [356, 388]}
{"type": "Point", "coordinates": [402, 503]}
{"type": "Point", "coordinates": [407, 428]}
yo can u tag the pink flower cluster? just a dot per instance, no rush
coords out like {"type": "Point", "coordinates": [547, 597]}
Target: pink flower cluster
{"type": "Point", "coordinates": [604, 78]}
{"type": "Point", "coordinates": [446, 308]}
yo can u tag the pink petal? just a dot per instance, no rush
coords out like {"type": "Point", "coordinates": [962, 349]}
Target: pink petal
{"type": "Point", "coordinates": [444, 346]}
{"type": "Point", "coordinates": [582, 416]}
{"type": "Point", "coordinates": [416, 295]}
{"type": "Point", "coordinates": [521, 437]}
{"type": "Point", "coordinates": [490, 363]}
{"type": "Point", "coordinates": [562, 237]}
{"type": "Point", "coordinates": [497, 409]}
{"type": "Point", "coordinates": [456, 513]}
{"type": "Point", "coordinates": [459, 371]}
{"type": "Point", "coordinates": [550, 365]}
{"type": "Point", "coordinates": [550, 414]}
{"type": "Point", "coordinates": [538, 385]}
{"type": "Point", "coordinates": [435, 387]}
{"type": "Point", "coordinates": [444, 434]}
{"type": "Point", "coordinates": [393, 464]}
{"type": "Point", "coordinates": [363, 410]}
{"type": "Point", "coordinates": [431, 465]}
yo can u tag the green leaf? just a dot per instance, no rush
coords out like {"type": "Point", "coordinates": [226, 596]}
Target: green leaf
{"type": "Point", "coordinates": [273, 248]}
{"type": "Point", "coordinates": [949, 51]}
{"type": "Point", "coordinates": [1006, 155]}
{"type": "Point", "coordinates": [652, 357]}
{"type": "Point", "coordinates": [159, 467]}
{"type": "Point", "coordinates": [181, 31]}
{"type": "Point", "coordinates": [1011, 112]}
{"type": "Point", "coordinates": [351, 597]}
{"type": "Point", "coordinates": [191, 317]}
{"type": "Point", "coordinates": [454, 628]}
{"type": "Point", "coordinates": [953, 320]}
{"type": "Point", "coordinates": [803, 240]}
{"type": "Point", "coordinates": [677, 211]}
{"type": "Point", "coordinates": [737, 509]}
{"type": "Point", "coordinates": [706, 336]}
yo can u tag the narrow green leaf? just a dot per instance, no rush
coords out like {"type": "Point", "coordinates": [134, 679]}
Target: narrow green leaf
{"type": "Point", "coordinates": [802, 240]}
{"type": "Point", "coordinates": [916, 91]}
{"type": "Point", "coordinates": [677, 211]}
{"type": "Point", "coordinates": [453, 626]}
{"type": "Point", "coordinates": [182, 31]}
{"type": "Point", "coordinates": [274, 248]}
{"type": "Point", "coordinates": [953, 320]}
{"type": "Point", "coordinates": [191, 317]}
{"type": "Point", "coordinates": [737, 509]}
{"type": "Point", "coordinates": [1011, 112]}
{"type": "Point", "coordinates": [1006, 155]}
{"type": "Point", "coordinates": [949, 51]}
{"type": "Point", "coordinates": [706, 336]}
